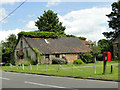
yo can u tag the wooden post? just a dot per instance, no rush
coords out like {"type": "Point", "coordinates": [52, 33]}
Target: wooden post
{"type": "Point", "coordinates": [17, 67]}
{"type": "Point", "coordinates": [10, 65]}
{"type": "Point", "coordinates": [111, 68]}
{"type": "Point", "coordinates": [37, 66]}
{"type": "Point", "coordinates": [104, 67]}
{"type": "Point", "coordinates": [30, 67]}
{"type": "Point", "coordinates": [94, 69]}
{"type": "Point", "coordinates": [23, 66]}
{"type": "Point", "coordinates": [59, 68]}
{"type": "Point", "coordinates": [46, 67]}
{"type": "Point", "coordinates": [73, 67]}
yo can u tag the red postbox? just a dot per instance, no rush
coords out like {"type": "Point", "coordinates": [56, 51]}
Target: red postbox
{"type": "Point", "coordinates": [107, 56]}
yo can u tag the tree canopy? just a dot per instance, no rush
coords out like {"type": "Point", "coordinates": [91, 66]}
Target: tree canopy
{"type": "Point", "coordinates": [113, 23]}
{"type": "Point", "coordinates": [8, 49]}
{"type": "Point", "coordinates": [105, 45]}
{"type": "Point", "coordinates": [49, 22]}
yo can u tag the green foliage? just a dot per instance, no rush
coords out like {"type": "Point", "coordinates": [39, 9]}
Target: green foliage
{"type": "Point", "coordinates": [105, 45]}
{"type": "Point", "coordinates": [49, 21]}
{"type": "Point", "coordinates": [38, 34]}
{"type": "Point", "coordinates": [78, 61]}
{"type": "Point", "coordinates": [86, 57]}
{"type": "Point", "coordinates": [8, 49]}
{"type": "Point", "coordinates": [82, 38]}
{"type": "Point", "coordinates": [33, 62]}
{"type": "Point", "coordinates": [7, 64]}
{"type": "Point", "coordinates": [26, 63]}
{"type": "Point", "coordinates": [100, 57]}
{"type": "Point", "coordinates": [114, 22]}
{"type": "Point", "coordinates": [96, 50]}
{"type": "Point", "coordinates": [39, 55]}
{"type": "Point", "coordinates": [58, 61]}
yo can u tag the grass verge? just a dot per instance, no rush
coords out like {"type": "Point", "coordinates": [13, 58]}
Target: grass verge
{"type": "Point", "coordinates": [85, 70]}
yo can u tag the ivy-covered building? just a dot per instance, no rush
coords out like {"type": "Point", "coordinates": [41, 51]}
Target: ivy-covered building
{"type": "Point", "coordinates": [43, 50]}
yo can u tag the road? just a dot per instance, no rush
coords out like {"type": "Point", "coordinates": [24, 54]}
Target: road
{"type": "Point", "coordinates": [21, 80]}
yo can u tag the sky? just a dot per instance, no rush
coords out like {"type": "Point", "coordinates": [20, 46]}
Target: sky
{"type": "Point", "coordinates": [87, 19]}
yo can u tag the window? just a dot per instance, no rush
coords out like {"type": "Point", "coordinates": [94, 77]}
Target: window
{"type": "Point", "coordinates": [47, 57]}
{"type": "Point", "coordinates": [57, 55]}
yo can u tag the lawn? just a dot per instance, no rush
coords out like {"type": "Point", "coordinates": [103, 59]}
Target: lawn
{"type": "Point", "coordinates": [84, 70]}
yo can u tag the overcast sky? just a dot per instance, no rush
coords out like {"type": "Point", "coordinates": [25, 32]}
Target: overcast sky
{"type": "Point", "coordinates": [87, 19]}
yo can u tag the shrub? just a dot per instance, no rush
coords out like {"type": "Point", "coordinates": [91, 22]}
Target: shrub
{"type": "Point", "coordinates": [86, 57]}
{"type": "Point", "coordinates": [100, 57]}
{"type": "Point", "coordinates": [78, 61]}
{"type": "Point", "coordinates": [58, 61]}
{"type": "Point", "coordinates": [7, 64]}
{"type": "Point", "coordinates": [33, 62]}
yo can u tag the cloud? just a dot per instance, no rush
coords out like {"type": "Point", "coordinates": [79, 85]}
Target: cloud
{"type": "Point", "coordinates": [10, 1]}
{"type": "Point", "coordinates": [5, 33]}
{"type": "Point", "coordinates": [31, 25]}
{"type": "Point", "coordinates": [90, 23]}
{"type": "Point", "coordinates": [2, 13]}
{"type": "Point", "coordinates": [53, 2]}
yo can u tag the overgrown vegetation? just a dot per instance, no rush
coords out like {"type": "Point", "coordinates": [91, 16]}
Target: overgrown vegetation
{"type": "Point", "coordinates": [86, 57]}
{"type": "Point", "coordinates": [39, 55]}
{"type": "Point", "coordinates": [8, 49]}
{"type": "Point", "coordinates": [78, 61]}
{"type": "Point", "coordinates": [39, 34]}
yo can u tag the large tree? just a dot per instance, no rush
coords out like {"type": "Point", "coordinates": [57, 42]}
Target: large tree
{"type": "Point", "coordinates": [105, 45]}
{"type": "Point", "coordinates": [8, 49]}
{"type": "Point", "coordinates": [114, 22]}
{"type": "Point", "coordinates": [49, 21]}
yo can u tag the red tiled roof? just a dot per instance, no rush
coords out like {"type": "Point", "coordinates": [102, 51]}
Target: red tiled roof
{"type": "Point", "coordinates": [58, 45]}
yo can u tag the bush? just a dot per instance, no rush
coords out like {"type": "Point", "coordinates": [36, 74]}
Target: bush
{"type": "Point", "coordinates": [58, 61]}
{"type": "Point", "coordinates": [86, 57]}
{"type": "Point", "coordinates": [33, 62]}
{"type": "Point", "coordinates": [100, 57]}
{"type": "Point", "coordinates": [7, 64]}
{"type": "Point", "coordinates": [78, 61]}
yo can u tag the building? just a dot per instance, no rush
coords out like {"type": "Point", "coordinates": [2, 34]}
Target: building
{"type": "Point", "coordinates": [61, 47]}
{"type": "Point", "coordinates": [116, 47]}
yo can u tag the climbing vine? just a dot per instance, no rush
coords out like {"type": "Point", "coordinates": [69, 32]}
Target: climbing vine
{"type": "Point", "coordinates": [39, 54]}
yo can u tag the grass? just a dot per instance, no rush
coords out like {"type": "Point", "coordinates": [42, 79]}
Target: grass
{"type": "Point", "coordinates": [84, 70]}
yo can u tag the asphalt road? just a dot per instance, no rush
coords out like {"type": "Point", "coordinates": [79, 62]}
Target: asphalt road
{"type": "Point", "coordinates": [20, 80]}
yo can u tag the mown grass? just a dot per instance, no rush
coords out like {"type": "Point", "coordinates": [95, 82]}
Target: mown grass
{"type": "Point", "coordinates": [84, 70]}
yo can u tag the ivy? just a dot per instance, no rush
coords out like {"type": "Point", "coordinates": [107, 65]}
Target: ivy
{"type": "Point", "coordinates": [43, 34]}
{"type": "Point", "coordinates": [39, 54]}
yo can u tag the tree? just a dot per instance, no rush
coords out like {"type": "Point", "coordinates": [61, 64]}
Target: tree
{"type": "Point", "coordinates": [49, 22]}
{"type": "Point", "coordinates": [95, 50]}
{"type": "Point", "coordinates": [105, 45]}
{"type": "Point", "coordinates": [8, 49]}
{"type": "Point", "coordinates": [114, 22]}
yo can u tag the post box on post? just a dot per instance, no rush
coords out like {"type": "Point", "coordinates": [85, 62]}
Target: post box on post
{"type": "Point", "coordinates": [107, 57]}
